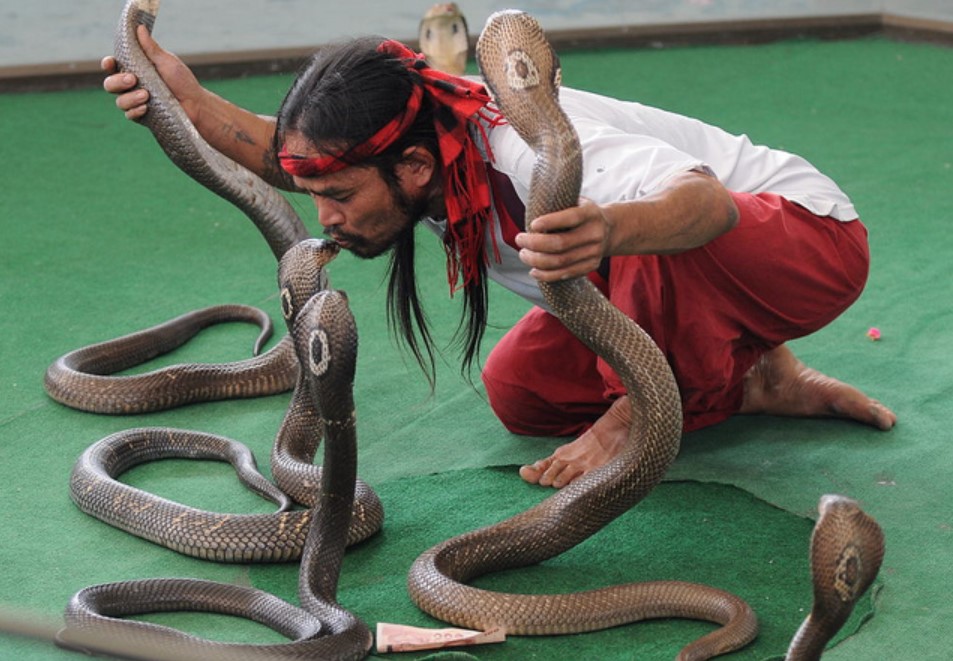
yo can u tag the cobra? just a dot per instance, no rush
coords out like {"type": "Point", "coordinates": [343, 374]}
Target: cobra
{"type": "Point", "coordinates": [438, 579]}
{"type": "Point", "coordinates": [522, 71]}
{"type": "Point", "coordinates": [85, 378]}
{"type": "Point", "coordinates": [325, 341]}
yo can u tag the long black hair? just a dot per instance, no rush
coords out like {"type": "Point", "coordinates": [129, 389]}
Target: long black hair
{"type": "Point", "coordinates": [344, 95]}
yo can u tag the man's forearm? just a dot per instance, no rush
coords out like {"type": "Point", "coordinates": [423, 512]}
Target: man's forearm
{"type": "Point", "coordinates": [692, 210]}
{"type": "Point", "coordinates": [243, 136]}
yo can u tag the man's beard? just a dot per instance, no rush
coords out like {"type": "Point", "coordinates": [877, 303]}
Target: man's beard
{"type": "Point", "coordinates": [410, 210]}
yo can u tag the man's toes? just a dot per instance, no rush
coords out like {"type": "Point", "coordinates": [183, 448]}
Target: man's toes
{"type": "Point", "coordinates": [567, 475]}
{"type": "Point", "coordinates": [883, 418]}
{"type": "Point", "coordinates": [848, 402]}
{"type": "Point", "coordinates": [553, 470]}
{"type": "Point", "coordinates": [533, 472]}
{"type": "Point", "coordinates": [559, 473]}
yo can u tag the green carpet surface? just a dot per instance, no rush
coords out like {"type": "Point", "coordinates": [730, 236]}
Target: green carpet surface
{"type": "Point", "coordinates": [101, 235]}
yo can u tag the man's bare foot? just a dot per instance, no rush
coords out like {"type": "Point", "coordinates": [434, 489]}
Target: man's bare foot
{"type": "Point", "coordinates": [594, 448]}
{"type": "Point", "coordinates": [780, 384]}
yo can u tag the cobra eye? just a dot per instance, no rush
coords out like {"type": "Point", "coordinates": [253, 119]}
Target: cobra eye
{"type": "Point", "coordinates": [319, 355]}
{"type": "Point", "coordinates": [287, 307]}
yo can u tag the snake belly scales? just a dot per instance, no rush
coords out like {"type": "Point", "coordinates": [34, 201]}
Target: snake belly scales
{"type": "Point", "coordinates": [512, 43]}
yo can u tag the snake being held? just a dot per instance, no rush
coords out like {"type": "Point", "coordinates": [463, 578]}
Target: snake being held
{"type": "Point", "coordinates": [437, 580]}
{"type": "Point", "coordinates": [325, 341]}
{"type": "Point", "coordinates": [522, 72]}
{"type": "Point", "coordinates": [84, 379]}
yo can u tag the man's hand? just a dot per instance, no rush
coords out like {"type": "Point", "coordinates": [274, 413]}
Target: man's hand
{"type": "Point", "coordinates": [180, 79]}
{"type": "Point", "coordinates": [567, 243]}
{"type": "Point", "coordinates": [691, 210]}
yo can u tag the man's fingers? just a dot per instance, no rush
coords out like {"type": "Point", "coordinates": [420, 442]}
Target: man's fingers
{"type": "Point", "coordinates": [567, 219]}
{"type": "Point", "coordinates": [559, 221]}
{"type": "Point", "coordinates": [119, 83]}
{"type": "Point", "coordinates": [133, 101]}
{"type": "Point", "coordinates": [550, 268]}
{"type": "Point", "coordinates": [108, 64]}
{"type": "Point", "coordinates": [542, 243]}
{"type": "Point", "coordinates": [559, 243]}
{"type": "Point", "coordinates": [150, 46]}
{"type": "Point", "coordinates": [137, 112]}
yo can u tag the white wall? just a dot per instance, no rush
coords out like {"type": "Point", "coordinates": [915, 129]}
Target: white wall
{"type": "Point", "coordinates": [929, 9]}
{"type": "Point", "coordinates": [53, 31]}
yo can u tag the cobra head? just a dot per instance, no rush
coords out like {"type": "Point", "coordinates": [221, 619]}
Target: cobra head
{"type": "Point", "coordinates": [301, 274]}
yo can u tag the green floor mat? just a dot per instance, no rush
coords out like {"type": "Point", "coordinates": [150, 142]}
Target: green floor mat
{"type": "Point", "coordinates": [102, 236]}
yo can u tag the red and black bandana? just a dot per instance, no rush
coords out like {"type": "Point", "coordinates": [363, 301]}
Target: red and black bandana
{"type": "Point", "coordinates": [457, 104]}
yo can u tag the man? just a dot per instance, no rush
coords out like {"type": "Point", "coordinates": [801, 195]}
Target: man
{"type": "Point", "coordinates": [720, 249]}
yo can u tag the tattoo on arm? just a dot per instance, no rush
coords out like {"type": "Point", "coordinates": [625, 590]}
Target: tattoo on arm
{"type": "Point", "coordinates": [242, 136]}
{"type": "Point", "coordinates": [270, 171]}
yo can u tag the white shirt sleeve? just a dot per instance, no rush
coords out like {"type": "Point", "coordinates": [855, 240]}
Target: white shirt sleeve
{"type": "Point", "coordinates": [617, 165]}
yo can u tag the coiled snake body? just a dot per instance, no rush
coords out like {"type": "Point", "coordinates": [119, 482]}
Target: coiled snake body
{"type": "Point", "coordinates": [523, 74]}
{"type": "Point", "coordinates": [84, 378]}
{"type": "Point", "coordinates": [325, 341]}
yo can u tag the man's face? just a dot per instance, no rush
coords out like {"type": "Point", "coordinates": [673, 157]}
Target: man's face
{"type": "Point", "coordinates": [361, 211]}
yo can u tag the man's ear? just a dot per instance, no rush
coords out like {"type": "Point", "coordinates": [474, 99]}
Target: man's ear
{"type": "Point", "coordinates": [417, 166]}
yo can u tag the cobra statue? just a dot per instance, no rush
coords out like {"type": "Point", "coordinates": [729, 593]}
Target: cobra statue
{"type": "Point", "coordinates": [523, 73]}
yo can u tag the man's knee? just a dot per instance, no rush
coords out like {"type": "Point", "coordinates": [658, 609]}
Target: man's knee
{"type": "Point", "coordinates": [504, 399]}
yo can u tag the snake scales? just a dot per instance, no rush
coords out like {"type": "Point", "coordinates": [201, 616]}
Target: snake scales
{"type": "Point", "coordinates": [437, 580]}
{"type": "Point", "coordinates": [522, 72]}
{"type": "Point", "coordinates": [325, 342]}
{"type": "Point", "coordinates": [83, 378]}
{"type": "Point", "coordinates": [322, 339]}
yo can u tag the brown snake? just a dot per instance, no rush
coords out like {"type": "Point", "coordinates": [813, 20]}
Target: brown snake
{"type": "Point", "coordinates": [522, 71]}
{"type": "Point", "coordinates": [322, 338]}
{"type": "Point", "coordinates": [325, 341]}
{"type": "Point", "coordinates": [83, 379]}
{"type": "Point", "coordinates": [511, 45]}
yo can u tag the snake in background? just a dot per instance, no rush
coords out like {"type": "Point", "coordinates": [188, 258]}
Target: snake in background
{"type": "Point", "coordinates": [444, 38]}
{"type": "Point", "coordinates": [513, 45]}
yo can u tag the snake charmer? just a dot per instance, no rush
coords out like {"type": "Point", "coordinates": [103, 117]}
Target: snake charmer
{"type": "Point", "coordinates": [722, 250]}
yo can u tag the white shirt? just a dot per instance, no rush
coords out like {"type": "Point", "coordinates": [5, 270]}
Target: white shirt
{"type": "Point", "coordinates": [630, 150]}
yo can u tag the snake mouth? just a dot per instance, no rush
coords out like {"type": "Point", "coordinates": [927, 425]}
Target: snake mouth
{"type": "Point", "coordinates": [340, 241]}
{"type": "Point", "coordinates": [337, 242]}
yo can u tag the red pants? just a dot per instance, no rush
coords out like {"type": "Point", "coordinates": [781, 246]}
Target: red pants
{"type": "Point", "coordinates": [713, 311]}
